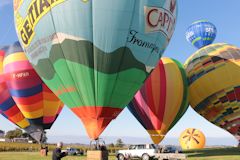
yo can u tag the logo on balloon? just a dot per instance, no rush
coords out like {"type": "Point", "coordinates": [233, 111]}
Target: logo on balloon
{"type": "Point", "coordinates": [159, 20]}
{"type": "Point", "coordinates": [36, 10]}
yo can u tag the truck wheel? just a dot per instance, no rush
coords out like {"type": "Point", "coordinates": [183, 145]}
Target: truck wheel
{"type": "Point", "coordinates": [145, 157]}
{"type": "Point", "coordinates": [121, 157]}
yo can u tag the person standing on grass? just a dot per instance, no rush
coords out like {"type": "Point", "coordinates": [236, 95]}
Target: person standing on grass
{"type": "Point", "coordinates": [46, 150]}
{"type": "Point", "coordinates": [57, 152]}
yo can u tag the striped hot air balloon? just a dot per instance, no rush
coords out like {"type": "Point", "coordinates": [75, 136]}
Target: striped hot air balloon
{"type": "Point", "coordinates": [214, 84]}
{"type": "Point", "coordinates": [7, 105]}
{"type": "Point", "coordinates": [25, 99]}
{"type": "Point", "coordinates": [162, 100]}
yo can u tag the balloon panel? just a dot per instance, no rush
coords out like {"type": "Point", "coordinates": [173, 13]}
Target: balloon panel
{"type": "Point", "coordinates": [214, 85]}
{"type": "Point", "coordinates": [162, 100]}
{"type": "Point", "coordinates": [201, 33]}
{"type": "Point", "coordinates": [89, 55]}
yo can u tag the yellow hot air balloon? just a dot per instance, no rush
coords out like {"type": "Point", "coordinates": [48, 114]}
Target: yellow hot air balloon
{"type": "Point", "coordinates": [214, 85]}
{"type": "Point", "coordinates": [192, 138]}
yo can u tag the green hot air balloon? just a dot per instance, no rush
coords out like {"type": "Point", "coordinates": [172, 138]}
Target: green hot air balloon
{"type": "Point", "coordinates": [95, 55]}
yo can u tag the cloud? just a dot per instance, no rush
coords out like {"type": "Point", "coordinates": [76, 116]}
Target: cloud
{"type": "Point", "coordinates": [5, 2]}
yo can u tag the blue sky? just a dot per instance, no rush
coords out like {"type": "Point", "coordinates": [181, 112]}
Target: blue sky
{"type": "Point", "coordinates": [224, 14]}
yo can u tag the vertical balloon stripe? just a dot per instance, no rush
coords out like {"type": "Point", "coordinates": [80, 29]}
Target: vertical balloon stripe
{"type": "Point", "coordinates": [163, 90]}
{"type": "Point", "coordinates": [153, 87]}
{"type": "Point", "coordinates": [185, 98]}
{"type": "Point", "coordinates": [1, 60]}
{"type": "Point", "coordinates": [174, 87]}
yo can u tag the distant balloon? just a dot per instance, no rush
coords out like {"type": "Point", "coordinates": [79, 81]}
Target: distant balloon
{"type": "Point", "coordinates": [95, 55]}
{"type": "Point", "coordinates": [214, 84]}
{"type": "Point", "coordinates": [162, 100]}
{"type": "Point", "coordinates": [24, 98]}
{"type": "Point", "coordinates": [192, 139]}
{"type": "Point", "coordinates": [201, 33]}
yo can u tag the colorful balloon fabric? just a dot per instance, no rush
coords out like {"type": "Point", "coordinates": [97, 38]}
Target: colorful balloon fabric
{"type": "Point", "coordinates": [7, 105]}
{"type": "Point", "coordinates": [214, 82]}
{"type": "Point", "coordinates": [91, 57]}
{"type": "Point", "coordinates": [192, 139]}
{"type": "Point", "coordinates": [25, 99]}
{"type": "Point", "coordinates": [162, 100]}
{"type": "Point", "coordinates": [201, 33]}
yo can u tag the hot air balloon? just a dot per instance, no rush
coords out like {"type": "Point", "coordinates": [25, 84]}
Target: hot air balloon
{"type": "Point", "coordinates": [214, 85]}
{"type": "Point", "coordinates": [162, 100]}
{"type": "Point", "coordinates": [24, 98]}
{"type": "Point", "coordinates": [95, 55]}
{"type": "Point", "coordinates": [7, 105]}
{"type": "Point", "coordinates": [192, 138]}
{"type": "Point", "coordinates": [201, 33]}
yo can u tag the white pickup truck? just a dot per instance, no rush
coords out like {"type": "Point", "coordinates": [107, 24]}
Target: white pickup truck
{"type": "Point", "coordinates": [143, 151]}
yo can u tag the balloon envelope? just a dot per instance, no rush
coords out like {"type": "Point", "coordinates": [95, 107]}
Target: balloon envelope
{"type": "Point", "coordinates": [213, 75]}
{"type": "Point", "coordinates": [8, 107]}
{"type": "Point", "coordinates": [162, 100]}
{"type": "Point", "coordinates": [94, 55]}
{"type": "Point", "coordinates": [192, 138]}
{"type": "Point", "coordinates": [201, 33]}
{"type": "Point", "coordinates": [25, 99]}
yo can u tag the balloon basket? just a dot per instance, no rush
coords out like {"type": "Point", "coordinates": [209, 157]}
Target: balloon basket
{"type": "Point", "coordinates": [98, 150]}
{"type": "Point", "coordinates": [97, 155]}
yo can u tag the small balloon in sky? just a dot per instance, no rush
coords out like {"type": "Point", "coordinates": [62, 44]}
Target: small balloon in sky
{"type": "Point", "coordinates": [192, 138]}
{"type": "Point", "coordinates": [201, 33]}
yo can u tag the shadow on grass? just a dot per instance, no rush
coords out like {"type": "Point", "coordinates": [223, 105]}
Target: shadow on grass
{"type": "Point", "coordinates": [213, 152]}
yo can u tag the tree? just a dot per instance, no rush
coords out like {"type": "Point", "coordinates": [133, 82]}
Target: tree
{"type": "Point", "coordinates": [111, 145]}
{"type": "Point", "coordinates": [119, 143]}
{"type": "Point", "coordinates": [2, 133]}
{"type": "Point", "coordinates": [17, 133]}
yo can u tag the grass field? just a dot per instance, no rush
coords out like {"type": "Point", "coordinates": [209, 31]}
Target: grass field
{"type": "Point", "coordinates": [206, 154]}
{"type": "Point", "coordinates": [214, 154]}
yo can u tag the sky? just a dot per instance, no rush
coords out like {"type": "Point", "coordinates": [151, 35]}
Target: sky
{"type": "Point", "coordinates": [224, 14]}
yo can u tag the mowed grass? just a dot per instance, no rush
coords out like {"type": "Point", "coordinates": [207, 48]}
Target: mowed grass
{"type": "Point", "coordinates": [214, 154]}
{"type": "Point", "coordinates": [205, 154]}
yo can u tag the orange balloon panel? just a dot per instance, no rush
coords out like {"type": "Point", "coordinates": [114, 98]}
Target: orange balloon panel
{"type": "Point", "coordinates": [192, 138]}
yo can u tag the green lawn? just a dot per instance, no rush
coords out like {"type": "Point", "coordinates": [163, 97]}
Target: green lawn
{"type": "Point", "coordinates": [214, 154]}
{"type": "Point", "coordinates": [205, 154]}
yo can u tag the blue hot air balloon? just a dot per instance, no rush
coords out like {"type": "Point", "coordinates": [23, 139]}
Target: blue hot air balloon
{"type": "Point", "coordinates": [201, 33]}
